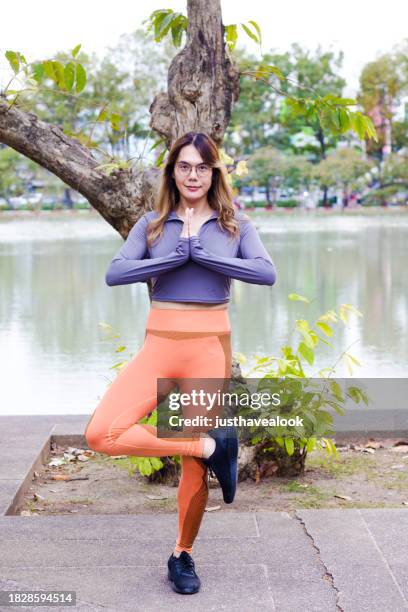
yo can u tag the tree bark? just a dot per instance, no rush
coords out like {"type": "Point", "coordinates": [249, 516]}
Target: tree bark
{"type": "Point", "coordinates": [203, 84]}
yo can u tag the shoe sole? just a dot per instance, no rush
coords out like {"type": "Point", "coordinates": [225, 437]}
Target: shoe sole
{"type": "Point", "coordinates": [232, 451]}
{"type": "Point", "coordinates": [176, 590]}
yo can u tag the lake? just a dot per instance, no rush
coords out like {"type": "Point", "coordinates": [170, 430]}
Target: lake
{"type": "Point", "coordinates": [56, 359]}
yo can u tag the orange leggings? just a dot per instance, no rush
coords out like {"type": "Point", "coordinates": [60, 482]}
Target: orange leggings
{"type": "Point", "coordinates": [179, 344]}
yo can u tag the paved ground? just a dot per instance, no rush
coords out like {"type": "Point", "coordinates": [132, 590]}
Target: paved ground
{"type": "Point", "coordinates": [319, 560]}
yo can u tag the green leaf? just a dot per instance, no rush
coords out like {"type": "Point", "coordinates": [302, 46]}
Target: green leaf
{"type": "Point", "coordinates": [295, 297]}
{"type": "Point", "coordinates": [336, 390]}
{"type": "Point", "coordinates": [75, 50]}
{"type": "Point", "coordinates": [358, 124]}
{"type": "Point", "coordinates": [326, 329]}
{"type": "Point", "coordinates": [264, 70]}
{"type": "Point", "coordinates": [103, 115]}
{"type": "Point", "coordinates": [164, 26]}
{"type": "Point", "coordinates": [115, 120]}
{"type": "Point", "coordinates": [178, 27]}
{"type": "Point", "coordinates": [257, 28]}
{"type": "Point", "coordinates": [80, 75]}
{"type": "Point", "coordinates": [157, 143]}
{"type": "Point", "coordinates": [157, 464]}
{"type": "Point", "coordinates": [250, 34]}
{"type": "Point", "coordinates": [306, 352]}
{"type": "Point", "coordinates": [310, 444]}
{"type": "Point", "coordinates": [160, 159]}
{"type": "Point", "coordinates": [289, 446]}
{"type": "Point", "coordinates": [14, 60]}
{"type": "Point", "coordinates": [69, 75]}
{"type": "Point", "coordinates": [55, 71]}
{"type": "Point", "coordinates": [231, 35]}
{"type": "Point", "coordinates": [307, 338]}
{"type": "Point", "coordinates": [344, 119]}
{"type": "Point", "coordinates": [157, 19]}
{"type": "Point", "coordinates": [38, 72]}
{"type": "Point", "coordinates": [302, 325]}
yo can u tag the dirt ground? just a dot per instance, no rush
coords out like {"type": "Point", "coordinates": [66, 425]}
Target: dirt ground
{"type": "Point", "coordinates": [370, 474]}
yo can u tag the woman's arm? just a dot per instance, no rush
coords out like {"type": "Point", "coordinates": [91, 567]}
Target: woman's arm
{"type": "Point", "coordinates": [129, 265]}
{"type": "Point", "coordinates": [255, 266]}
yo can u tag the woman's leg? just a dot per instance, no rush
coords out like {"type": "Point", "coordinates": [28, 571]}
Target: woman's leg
{"type": "Point", "coordinates": [207, 357]}
{"type": "Point", "coordinates": [192, 498]}
{"type": "Point", "coordinates": [113, 428]}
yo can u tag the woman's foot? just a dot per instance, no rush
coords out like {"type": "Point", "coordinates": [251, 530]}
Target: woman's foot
{"type": "Point", "coordinates": [224, 460]}
{"type": "Point", "coordinates": [182, 574]}
{"type": "Point", "coordinates": [208, 447]}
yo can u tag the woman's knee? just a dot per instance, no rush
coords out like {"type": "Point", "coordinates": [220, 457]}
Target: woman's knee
{"type": "Point", "coordinates": [96, 438]}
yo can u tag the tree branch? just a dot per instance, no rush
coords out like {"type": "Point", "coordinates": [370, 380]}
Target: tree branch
{"type": "Point", "coordinates": [121, 198]}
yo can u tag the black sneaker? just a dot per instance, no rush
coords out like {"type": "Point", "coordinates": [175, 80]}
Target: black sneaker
{"type": "Point", "coordinates": [182, 574]}
{"type": "Point", "coordinates": [224, 460]}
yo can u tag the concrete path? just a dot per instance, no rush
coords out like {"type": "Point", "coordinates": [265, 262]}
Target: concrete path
{"type": "Point", "coordinates": [318, 560]}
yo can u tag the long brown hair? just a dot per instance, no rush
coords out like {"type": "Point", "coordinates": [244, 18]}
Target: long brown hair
{"type": "Point", "coordinates": [219, 195]}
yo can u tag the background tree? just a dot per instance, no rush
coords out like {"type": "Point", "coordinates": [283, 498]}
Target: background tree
{"type": "Point", "coordinates": [381, 86]}
{"type": "Point", "coordinates": [343, 168]}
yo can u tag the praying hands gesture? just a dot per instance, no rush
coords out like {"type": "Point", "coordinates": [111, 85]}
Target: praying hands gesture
{"type": "Point", "coordinates": [191, 224]}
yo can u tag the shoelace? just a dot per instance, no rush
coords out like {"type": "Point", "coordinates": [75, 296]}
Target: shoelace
{"type": "Point", "coordinates": [186, 564]}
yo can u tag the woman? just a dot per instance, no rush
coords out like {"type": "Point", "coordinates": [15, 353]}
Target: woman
{"type": "Point", "coordinates": [191, 246]}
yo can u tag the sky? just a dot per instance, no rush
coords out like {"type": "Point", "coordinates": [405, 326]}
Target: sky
{"type": "Point", "coordinates": [361, 28]}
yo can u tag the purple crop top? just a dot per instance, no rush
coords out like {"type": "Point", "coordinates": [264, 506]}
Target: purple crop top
{"type": "Point", "coordinates": [195, 269]}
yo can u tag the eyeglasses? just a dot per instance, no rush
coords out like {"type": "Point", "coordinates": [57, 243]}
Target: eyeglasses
{"type": "Point", "coordinates": [185, 169]}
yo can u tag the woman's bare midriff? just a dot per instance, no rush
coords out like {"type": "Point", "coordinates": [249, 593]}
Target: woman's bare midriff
{"type": "Point", "coordinates": [189, 305]}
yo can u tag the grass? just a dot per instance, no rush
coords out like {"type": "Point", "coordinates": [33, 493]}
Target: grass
{"type": "Point", "coordinates": [341, 467]}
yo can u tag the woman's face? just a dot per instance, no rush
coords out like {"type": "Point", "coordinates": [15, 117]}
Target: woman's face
{"type": "Point", "coordinates": [194, 185]}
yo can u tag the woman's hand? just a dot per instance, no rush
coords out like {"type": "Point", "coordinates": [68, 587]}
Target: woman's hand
{"type": "Point", "coordinates": [189, 223]}
{"type": "Point", "coordinates": [186, 222]}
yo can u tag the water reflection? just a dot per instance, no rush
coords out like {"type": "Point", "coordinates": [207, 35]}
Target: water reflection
{"type": "Point", "coordinates": [53, 353]}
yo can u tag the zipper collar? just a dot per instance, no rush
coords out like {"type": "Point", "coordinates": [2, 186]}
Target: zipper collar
{"type": "Point", "coordinates": [173, 215]}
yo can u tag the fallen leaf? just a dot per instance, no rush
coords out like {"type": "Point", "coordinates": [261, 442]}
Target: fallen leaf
{"type": "Point", "coordinates": [374, 445]}
{"type": "Point", "coordinates": [60, 477]}
{"type": "Point", "coordinates": [69, 457]}
{"type": "Point", "coordinates": [368, 450]}
{"type": "Point", "coordinates": [405, 503]}
{"type": "Point", "coordinates": [212, 508]}
{"type": "Point", "coordinates": [158, 497]}
{"type": "Point", "coordinates": [57, 461]}
{"type": "Point", "coordinates": [345, 497]}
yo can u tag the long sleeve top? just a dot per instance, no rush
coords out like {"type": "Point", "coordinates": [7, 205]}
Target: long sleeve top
{"type": "Point", "coordinates": [195, 269]}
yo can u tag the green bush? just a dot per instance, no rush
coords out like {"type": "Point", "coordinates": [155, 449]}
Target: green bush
{"type": "Point", "coordinates": [287, 203]}
{"type": "Point", "coordinates": [330, 201]}
{"type": "Point", "coordinates": [299, 398]}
